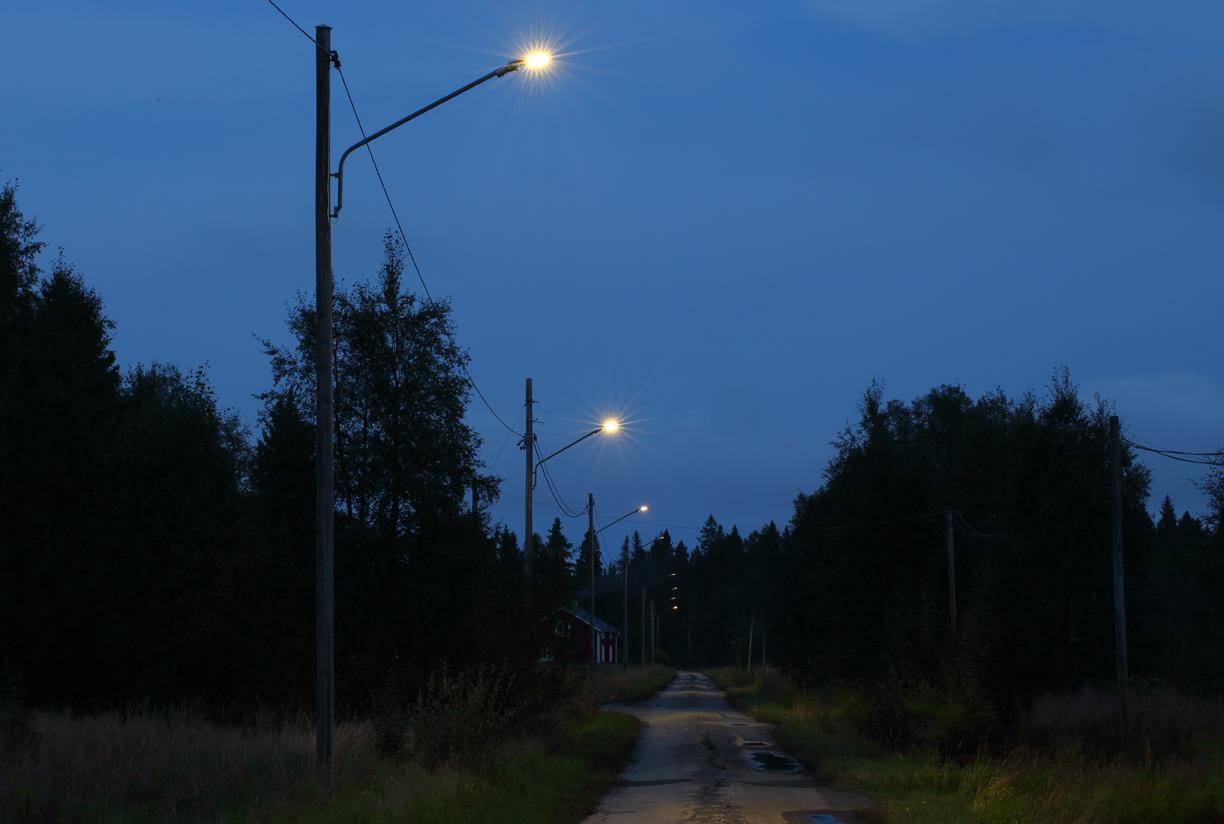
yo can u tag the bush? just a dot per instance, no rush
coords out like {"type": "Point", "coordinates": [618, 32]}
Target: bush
{"type": "Point", "coordinates": [778, 687]}
{"type": "Point", "coordinates": [17, 735]}
{"type": "Point", "coordinates": [912, 714]}
{"type": "Point", "coordinates": [463, 719]}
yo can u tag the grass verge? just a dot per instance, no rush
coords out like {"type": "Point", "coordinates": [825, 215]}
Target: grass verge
{"type": "Point", "coordinates": [633, 684]}
{"type": "Point", "coordinates": [535, 783]}
{"type": "Point", "coordinates": [139, 766]}
{"type": "Point", "coordinates": [1023, 786]}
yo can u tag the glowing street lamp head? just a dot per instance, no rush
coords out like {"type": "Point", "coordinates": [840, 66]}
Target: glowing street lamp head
{"type": "Point", "coordinates": [643, 508]}
{"type": "Point", "coordinates": [611, 426]}
{"type": "Point", "coordinates": [537, 60]}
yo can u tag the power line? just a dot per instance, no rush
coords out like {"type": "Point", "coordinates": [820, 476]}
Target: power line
{"type": "Point", "coordinates": [552, 488]}
{"type": "Point", "coordinates": [506, 440]}
{"type": "Point", "coordinates": [965, 528]}
{"type": "Point", "coordinates": [1176, 455]}
{"type": "Point", "coordinates": [939, 513]}
{"type": "Point", "coordinates": [668, 526]}
{"type": "Point", "coordinates": [407, 246]}
{"type": "Point", "coordinates": [335, 58]}
{"type": "Point", "coordinates": [1137, 445]}
{"type": "Point", "coordinates": [296, 26]}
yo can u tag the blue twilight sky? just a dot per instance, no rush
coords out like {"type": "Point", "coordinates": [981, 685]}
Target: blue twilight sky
{"type": "Point", "coordinates": [720, 220]}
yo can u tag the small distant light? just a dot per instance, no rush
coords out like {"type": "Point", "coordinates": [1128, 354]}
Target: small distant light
{"type": "Point", "coordinates": [643, 508]}
{"type": "Point", "coordinates": [675, 608]}
{"type": "Point", "coordinates": [537, 60]}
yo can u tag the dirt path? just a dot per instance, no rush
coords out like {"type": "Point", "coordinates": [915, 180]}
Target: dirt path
{"type": "Point", "coordinates": [697, 760]}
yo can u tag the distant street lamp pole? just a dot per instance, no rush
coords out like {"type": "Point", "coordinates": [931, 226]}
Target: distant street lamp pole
{"type": "Point", "coordinates": [325, 503]}
{"type": "Point", "coordinates": [646, 589]}
{"type": "Point", "coordinates": [594, 532]}
{"type": "Point", "coordinates": [654, 621]}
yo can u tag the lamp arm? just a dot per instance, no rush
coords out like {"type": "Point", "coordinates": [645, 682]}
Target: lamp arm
{"type": "Point", "coordinates": [567, 446]}
{"type": "Point", "coordinates": [512, 66]}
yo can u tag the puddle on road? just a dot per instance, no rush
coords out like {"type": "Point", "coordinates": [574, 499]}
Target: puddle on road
{"type": "Point", "coordinates": [809, 817]}
{"type": "Point", "coordinates": [773, 762]}
{"type": "Point", "coordinates": [754, 743]}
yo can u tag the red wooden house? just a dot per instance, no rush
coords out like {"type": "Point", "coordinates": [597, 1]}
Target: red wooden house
{"type": "Point", "coordinates": [574, 635]}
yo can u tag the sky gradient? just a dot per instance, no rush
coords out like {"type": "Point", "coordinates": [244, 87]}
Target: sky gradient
{"type": "Point", "coordinates": [717, 220]}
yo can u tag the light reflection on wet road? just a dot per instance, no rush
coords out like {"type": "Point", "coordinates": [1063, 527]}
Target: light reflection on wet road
{"type": "Point", "coordinates": [698, 761]}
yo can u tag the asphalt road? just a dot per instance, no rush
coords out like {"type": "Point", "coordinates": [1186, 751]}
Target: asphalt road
{"type": "Point", "coordinates": [699, 761]}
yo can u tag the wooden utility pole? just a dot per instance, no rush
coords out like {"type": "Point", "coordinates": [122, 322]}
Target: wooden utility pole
{"type": "Point", "coordinates": [528, 540]}
{"type": "Point", "coordinates": [642, 650]}
{"type": "Point", "coordinates": [951, 574]}
{"type": "Point", "coordinates": [591, 555]}
{"type": "Point", "coordinates": [325, 501]}
{"type": "Point", "coordinates": [625, 626]}
{"type": "Point", "coordinates": [1119, 579]}
{"type": "Point", "coordinates": [751, 630]}
{"type": "Point", "coordinates": [654, 629]}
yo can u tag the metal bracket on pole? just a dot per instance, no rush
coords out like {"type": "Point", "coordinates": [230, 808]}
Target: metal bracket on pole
{"type": "Point", "coordinates": [512, 66]}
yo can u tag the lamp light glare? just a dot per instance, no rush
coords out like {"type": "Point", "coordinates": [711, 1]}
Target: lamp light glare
{"type": "Point", "coordinates": [537, 60]}
{"type": "Point", "coordinates": [611, 425]}
{"type": "Point", "coordinates": [643, 508]}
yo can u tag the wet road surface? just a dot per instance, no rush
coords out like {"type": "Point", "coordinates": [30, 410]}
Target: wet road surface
{"type": "Point", "coordinates": [698, 761]}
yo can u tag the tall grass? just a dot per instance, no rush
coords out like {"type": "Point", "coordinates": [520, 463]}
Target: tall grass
{"type": "Point", "coordinates": [493, 733]}
{"type": "Point", "coordinates": [144, 766]}
{"type": "Point", "coordinates": [1164, 723]}
{"type": "Point", "coordinates": [1064, 762]}
{"type": "Point", "coordinates": [609, 684]}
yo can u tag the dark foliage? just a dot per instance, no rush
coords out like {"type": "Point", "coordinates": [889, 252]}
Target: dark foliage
{"type": "Point", "coordinates": [152, 552]}
{"type": "Point", "coordinates": [855, 590]}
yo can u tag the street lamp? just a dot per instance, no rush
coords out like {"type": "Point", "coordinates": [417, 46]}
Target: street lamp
{"type": "Point", "coordinates": [534, 61]}
{"type": "Point", "coordinates": [625, 566]}
{"type": "Point", "coordinates": [325, 504]}
{"type": "Point", "coordinates": [610, 426]}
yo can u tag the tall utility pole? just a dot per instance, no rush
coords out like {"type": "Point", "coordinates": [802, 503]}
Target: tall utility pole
{"type": "Point", "coordinates": [654, 630]}
{"type": "Point", "coordinates": [625, 628]}
{"type": "Point", "coordinates": [642, 650]}
{"type": "Point", "coordinates": [951, 575]}
{"type": "Point", "coordinates": [591, 554]}
{"type": "Point", "coordinates": [1119, 585]}
{"type": "Point", "coordinates": [325, 501]}
{"type": "Point", "coordinates": [529, 449]}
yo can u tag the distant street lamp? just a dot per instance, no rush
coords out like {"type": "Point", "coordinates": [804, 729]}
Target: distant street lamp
{"type": "Point", "coordinates": [591, 553]}
{"type": "Point", "coordinates": [654, 620]}
{"type": "Point", "coordinates": [646, 589]}
{"type": "Point", "coordinates": [325, 504]}
{"type": "Point", "coordinates": [610, 426]}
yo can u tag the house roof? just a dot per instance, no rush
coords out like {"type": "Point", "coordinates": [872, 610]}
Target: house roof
{"type": "Point", "coordinates": [585, 617]}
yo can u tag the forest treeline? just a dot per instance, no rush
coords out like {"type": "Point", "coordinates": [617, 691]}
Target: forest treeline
{"type": "Point", "coordinates": [854, 590]}
{"type": "Point", "coordinates": [151, 547]}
